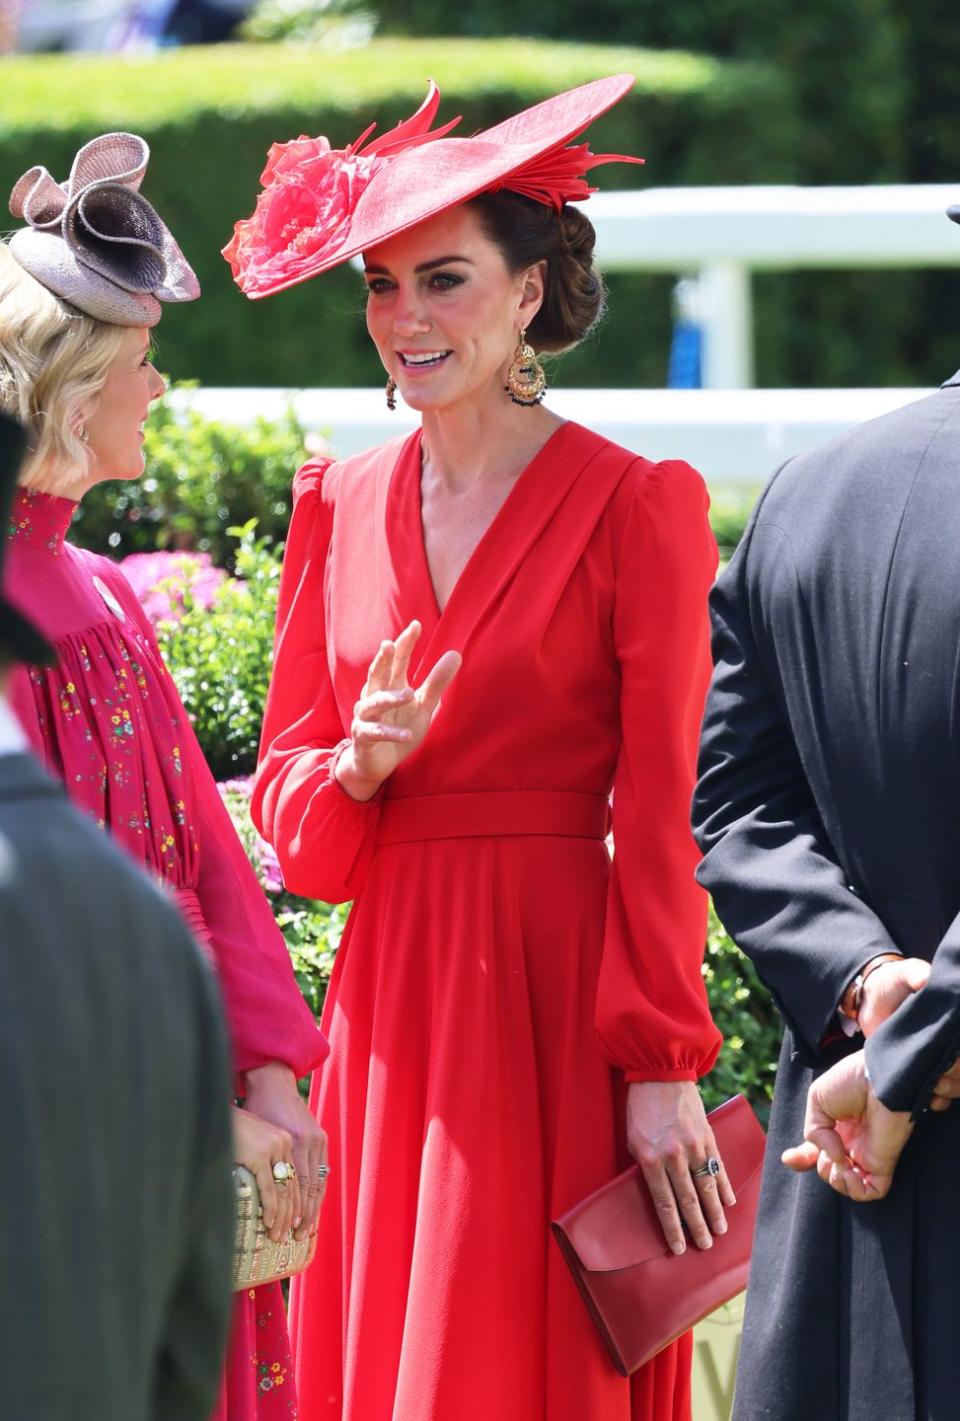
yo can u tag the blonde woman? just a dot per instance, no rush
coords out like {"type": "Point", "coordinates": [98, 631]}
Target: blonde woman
{"type": "Point", "coordinates": [80, 289]}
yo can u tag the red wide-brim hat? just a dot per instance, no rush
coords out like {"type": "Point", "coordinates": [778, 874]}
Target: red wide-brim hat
{"type": "Point", "coordinates": [321, 206]}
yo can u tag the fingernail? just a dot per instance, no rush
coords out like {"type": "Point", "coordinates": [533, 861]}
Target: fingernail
{"type": "Point", "coordinates": [679, 1248]}
{"type": "Point", "coordinates": [707, 1242]}
{"type": "Point", "coordinates": [722, 1226]}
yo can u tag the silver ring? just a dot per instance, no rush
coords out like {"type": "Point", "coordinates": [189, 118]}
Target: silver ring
{"type": "Point", "coordinates": [322, 1171]}
{"type": "Point", "coordinates": [709, 1169]}
{"type": "Point", "coordinates": [283, 1172]}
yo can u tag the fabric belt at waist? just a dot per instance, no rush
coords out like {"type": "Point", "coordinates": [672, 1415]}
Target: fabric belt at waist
{"type": "Point", "coordinates": [494, 813]}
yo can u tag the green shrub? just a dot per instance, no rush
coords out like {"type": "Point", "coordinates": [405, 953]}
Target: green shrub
{"type": "Point", "coordinates": [210, 115]}
{"type": "Point", "coordinates": [220, 657]}
{"type": "Point", "coordinates": [745, 1014]}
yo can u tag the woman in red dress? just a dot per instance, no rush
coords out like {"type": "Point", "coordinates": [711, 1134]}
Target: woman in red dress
{"type": "Point", "coordinates": [484, 628]}
{"type": "Point", "coordinates": [75, 313]}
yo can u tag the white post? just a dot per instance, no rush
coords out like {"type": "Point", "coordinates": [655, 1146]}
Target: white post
{"type": "Point", "coordinates": [727, 316]}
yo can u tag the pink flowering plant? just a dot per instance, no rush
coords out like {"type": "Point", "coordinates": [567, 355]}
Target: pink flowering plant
{"type": "Point", "coordinates": [166, 582]}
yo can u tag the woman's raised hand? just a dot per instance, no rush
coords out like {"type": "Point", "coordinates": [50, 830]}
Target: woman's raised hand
{"type": "Point", "coordinates": [391, 719]}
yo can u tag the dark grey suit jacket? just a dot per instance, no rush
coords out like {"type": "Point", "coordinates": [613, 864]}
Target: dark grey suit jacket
{"type": "Point", "coordinates": [829, 813]}
{"type": "Point", "coordinates": [115, 1198]}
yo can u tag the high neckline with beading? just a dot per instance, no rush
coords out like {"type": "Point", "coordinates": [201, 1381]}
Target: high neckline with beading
{"type": "Point", "coordinates": [41, 520]}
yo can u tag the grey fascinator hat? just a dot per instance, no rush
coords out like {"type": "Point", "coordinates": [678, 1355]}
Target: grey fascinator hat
{"type": "Point", "coordinates": [96, 241]}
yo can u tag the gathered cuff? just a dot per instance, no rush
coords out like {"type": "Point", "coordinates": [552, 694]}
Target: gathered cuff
{"type": "Point", "coordinates": [646, 1074]}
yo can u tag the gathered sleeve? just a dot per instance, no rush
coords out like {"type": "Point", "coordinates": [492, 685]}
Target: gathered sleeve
{"type": "Point", "coordinates": [652, 1014]}
{"type": "Point", "coordinates": [266, 1013]}
{"type": "Point", "coordinates": [324, 839]}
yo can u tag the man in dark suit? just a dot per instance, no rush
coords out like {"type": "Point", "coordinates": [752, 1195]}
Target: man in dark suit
{"type": "Point", "coordinates": [115, 1191]}
{"type": "Point", "coordinates": [828, 810]}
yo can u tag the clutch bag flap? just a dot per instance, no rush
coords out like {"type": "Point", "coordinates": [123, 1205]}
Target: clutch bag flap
{"type": "Point", "coordinates": [641, 1295]}
{"type": "Point", "coordinates": [257, 1259]}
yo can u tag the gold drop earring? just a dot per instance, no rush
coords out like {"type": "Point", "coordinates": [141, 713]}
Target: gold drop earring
{"type": "Point", "coordinates": [391, 393]}
{"type": "Point", "coordinates": [526, 379]}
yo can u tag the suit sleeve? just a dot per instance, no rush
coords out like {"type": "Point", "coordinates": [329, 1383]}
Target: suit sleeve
{"type": "Point", "coordinates": [911, 1050]}
{"type": "Point", "coordinates": [652, 1012]}
{"type": "Point", "coordinates": [323, 838]}
{"type": "Point", "coordinates": [776, 882]}
{"type": "Point", "coordinates": [266, 1013]}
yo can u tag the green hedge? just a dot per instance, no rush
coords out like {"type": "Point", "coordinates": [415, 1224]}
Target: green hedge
{"type": "Point", "coordinates": [211, 114]}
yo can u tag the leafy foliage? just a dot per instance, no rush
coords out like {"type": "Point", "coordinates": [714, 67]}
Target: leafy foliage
{"type": "Point", "coordinates": [220, 657]}
{"type": "Point", "coordinates": [332, 24]}
{"type": "Point", "coordinates": [748, 1020]}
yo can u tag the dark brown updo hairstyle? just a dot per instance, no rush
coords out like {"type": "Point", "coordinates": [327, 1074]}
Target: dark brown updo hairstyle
{"type": "Point", "coordinates": [528, 232]}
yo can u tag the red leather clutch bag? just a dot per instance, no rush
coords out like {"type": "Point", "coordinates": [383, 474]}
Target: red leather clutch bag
{"type": "Point", "coordinates": [641, 1296]}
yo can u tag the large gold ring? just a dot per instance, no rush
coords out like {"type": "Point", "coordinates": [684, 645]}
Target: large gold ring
{"type": "Point", "coordinates": [283, 1172]}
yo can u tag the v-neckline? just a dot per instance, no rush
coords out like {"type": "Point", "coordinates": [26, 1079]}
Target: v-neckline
{"type": "Point", "coordinates": [489, 534]}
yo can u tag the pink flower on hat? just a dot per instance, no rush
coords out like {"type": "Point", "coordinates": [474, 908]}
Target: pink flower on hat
{"type": "Point", "coordinates": [310, 193]}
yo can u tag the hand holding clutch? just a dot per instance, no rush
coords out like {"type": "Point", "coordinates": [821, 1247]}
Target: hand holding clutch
{"type": "Point", "coordinates": [639, 1293]}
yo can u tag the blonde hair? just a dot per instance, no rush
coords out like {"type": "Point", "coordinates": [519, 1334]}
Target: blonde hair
{"type": "Point", "coordinates": [54, 362]}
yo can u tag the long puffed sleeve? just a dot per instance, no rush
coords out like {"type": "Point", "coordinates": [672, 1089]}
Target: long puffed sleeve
{"type": "Point", "coordinates": [323, 838]}
{"type": "Point", "coordinates": [266, 1013]}
{"type": "Point", "coordinates": [652, 1012]}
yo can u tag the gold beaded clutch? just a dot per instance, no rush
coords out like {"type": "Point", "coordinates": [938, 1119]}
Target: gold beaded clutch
{"type": "Point", "coordinates": [256, 1258]}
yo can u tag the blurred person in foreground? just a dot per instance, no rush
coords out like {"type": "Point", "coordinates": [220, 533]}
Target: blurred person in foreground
{"type": "Point", "coordinates": [511, 1015]}
{"type": "Point", "coordinates": [80, 289]}
{"type": "Point", "coordinates": [828, 810]}
{"type": "Point", "coordinates": [115, 1195]}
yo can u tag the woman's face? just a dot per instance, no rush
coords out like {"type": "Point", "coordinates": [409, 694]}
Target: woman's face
{"type": "Point", "coordinates": [115, 427]}
{"type": "Point", "coordinates": [444, 311]}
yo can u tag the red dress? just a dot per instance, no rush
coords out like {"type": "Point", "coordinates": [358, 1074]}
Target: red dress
{"type": "Point", "coordinates": [498, 976]}
{"type": "Point", "coordinates": [108, 721]}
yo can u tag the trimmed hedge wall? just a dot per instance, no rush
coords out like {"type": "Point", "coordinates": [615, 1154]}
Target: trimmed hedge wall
{"type": "Point", "coordinates": [211, 114]}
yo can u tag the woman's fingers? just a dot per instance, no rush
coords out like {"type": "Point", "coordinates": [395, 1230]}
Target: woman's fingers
{"type": "Point", "coordinates": [318, 1186]}
{"type": "Point", "coordinates": [372, 707]}
{"type": "Point", "coordinates": [665, 1203]}
{"type": "Point", "coordinates": [269, 1191]}
{"type": "Point", "coordinates": [689, 1201]}
{"type": "Point", "coordinates": [307, 1165]}
{"type": "Point", "coordinates": [439, 678]}
{"type": "Point", "coordinates": [381, 670]}
{"type": "Point", "coordinates": [403, 650]}
{"type": "Point", "coordinates": [375, 732]}
{"type": "Point", "coordinates": [711, 1205]}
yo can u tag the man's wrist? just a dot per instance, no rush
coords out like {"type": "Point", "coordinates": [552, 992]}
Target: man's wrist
{"type": "Point", "coordinates": [851, 1002]}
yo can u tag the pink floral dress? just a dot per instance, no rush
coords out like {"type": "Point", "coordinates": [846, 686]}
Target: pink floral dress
{"type": "Point", "coordinates": [108, 721]}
